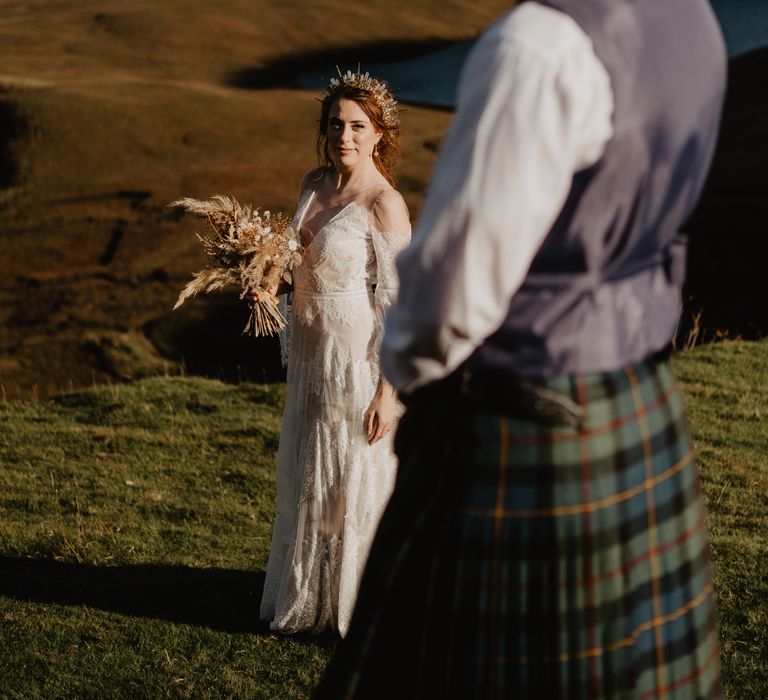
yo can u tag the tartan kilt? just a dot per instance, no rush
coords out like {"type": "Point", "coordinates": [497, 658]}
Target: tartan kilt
{"type": "Point", "coordinates": [524, 560]}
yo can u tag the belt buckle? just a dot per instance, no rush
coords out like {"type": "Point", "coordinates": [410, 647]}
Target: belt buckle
{"type": "Point", "coordinates": [553, 408]}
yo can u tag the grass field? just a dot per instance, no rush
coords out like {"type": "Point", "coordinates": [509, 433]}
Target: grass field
{"type": "Point", "coordinates": [135, 523]}
{"type": "Point", "coordinates": [135, 529]}
{"type": "Point", "coordinates": [726, 385]}
{"type": "Point", "coordinates": [135, 518]}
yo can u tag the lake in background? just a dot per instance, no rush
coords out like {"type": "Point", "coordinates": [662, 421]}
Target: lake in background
{"type": "Point", "coordinates": [432, 79]}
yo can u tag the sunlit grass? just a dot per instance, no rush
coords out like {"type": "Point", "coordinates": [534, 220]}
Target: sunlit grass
{"type": "Point", "coordinates": [726, 385]}
{"type": "Point", "coordinates": [136, 519]}
{"type": "Point", "coordinates": [135, 523]}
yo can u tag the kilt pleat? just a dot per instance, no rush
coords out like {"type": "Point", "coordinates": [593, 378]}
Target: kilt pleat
{"type": "Point", "coordinates": [518, 559]}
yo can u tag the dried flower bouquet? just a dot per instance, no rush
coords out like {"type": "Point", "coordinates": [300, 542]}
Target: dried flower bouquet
{"type": "Point", "coordinates": [253, 249]}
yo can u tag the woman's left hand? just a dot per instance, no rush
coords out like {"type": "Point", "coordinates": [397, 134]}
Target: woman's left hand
{"type": "Point", "coordinates": [380, 416]}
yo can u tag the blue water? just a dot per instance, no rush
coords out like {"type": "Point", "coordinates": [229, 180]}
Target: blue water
{"type": "Point", "coordinates": [744, 24]}
{"type": "Point", "coordinates": [432, 79]}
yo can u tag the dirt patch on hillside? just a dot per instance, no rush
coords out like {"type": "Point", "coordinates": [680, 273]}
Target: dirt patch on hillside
{"type": "Point", "coordinates": [284, 71]}
{"type": "Point", "coordinates": [13, 126]}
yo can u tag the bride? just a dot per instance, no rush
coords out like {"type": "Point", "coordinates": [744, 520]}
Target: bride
{"type": "Point", "coordinates": [336, 467]}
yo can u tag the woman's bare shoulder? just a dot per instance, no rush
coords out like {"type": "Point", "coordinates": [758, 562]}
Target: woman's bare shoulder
{"type": "Point", "coordinates": [388, 196]}
{"type": "Point", "coordinates": [389, 210]}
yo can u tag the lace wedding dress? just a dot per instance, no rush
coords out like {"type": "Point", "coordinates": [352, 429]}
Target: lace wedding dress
{"type": "Point", "coordinates": [331, 485]}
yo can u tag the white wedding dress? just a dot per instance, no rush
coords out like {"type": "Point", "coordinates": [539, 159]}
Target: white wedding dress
{"type": "Point", "coordinates": [331, 485]}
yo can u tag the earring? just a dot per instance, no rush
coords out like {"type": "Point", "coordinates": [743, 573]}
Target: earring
{"type": "Point", "coordinates": [376, 150]}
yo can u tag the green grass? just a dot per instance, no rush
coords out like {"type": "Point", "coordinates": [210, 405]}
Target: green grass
{"type": "Point", "coordinates": [726, 385]}
{"type": "Point", "coordinates": [135, 523]}
{"type": "Point", "coordinates": [134, 529]}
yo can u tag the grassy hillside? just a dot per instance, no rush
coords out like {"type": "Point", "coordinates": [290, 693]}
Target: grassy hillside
{"type": "Point", "coordinates": [726, 385]}
{"type": "Point", "coordinates": [135, 524]}
{"type": "Point", "coordinates": [111, 109]}
{"type": "Point", "coordinates": [135, 528]}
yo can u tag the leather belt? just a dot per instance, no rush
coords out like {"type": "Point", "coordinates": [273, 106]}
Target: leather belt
{"type": "Point", "coordinates": [504, 393]}
{"type": "Point", "coordinates": [496, 392]}
{"type": "Point", "coordinates": [508, 394]}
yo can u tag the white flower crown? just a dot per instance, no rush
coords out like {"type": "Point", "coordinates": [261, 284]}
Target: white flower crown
{"type": "Point", "coordinates": [378, 89]}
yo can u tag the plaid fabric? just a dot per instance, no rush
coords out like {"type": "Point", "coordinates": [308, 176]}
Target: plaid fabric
{"type": "Point", "coordinates": [518, 560]}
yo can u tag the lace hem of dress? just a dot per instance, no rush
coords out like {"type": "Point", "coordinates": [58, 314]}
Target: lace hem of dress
{"type": "Point", "coordinates": [311, 606]}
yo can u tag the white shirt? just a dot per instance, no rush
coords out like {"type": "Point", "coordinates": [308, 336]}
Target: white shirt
{"type": "Point", "coordinates": [534, 107]}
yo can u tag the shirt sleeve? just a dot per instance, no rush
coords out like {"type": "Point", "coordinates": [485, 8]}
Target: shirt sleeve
{"type": "Point", "coordinates": [534, 107]}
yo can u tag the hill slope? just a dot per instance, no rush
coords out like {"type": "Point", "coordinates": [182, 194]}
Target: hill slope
{"type": "Point", "coordinates": [112, 109]}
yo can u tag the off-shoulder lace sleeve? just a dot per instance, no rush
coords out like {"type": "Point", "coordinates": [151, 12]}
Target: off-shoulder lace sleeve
{"type": "Point", "coordinates": [391, 233]}
{"type": "Point", "coordinates": [387, 245]}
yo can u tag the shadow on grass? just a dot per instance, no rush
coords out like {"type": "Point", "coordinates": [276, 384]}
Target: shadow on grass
{"type": "Point", "coordinates": [283, 72]}
{"type": "Point", "coordinates": [221, 599]}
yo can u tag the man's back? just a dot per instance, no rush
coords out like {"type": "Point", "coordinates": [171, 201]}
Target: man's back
{"type": "Point", "coordinates": [613, 262]}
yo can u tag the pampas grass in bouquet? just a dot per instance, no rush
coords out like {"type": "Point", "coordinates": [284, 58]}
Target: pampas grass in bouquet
{"type": "Point", "coordinates": [255, 250]}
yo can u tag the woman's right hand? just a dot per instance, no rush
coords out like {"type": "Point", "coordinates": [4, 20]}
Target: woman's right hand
{"type": "Point", "coordinates": [273, 292]}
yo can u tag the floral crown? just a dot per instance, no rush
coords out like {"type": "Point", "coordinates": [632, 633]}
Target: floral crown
{"type": "Point", "coordinates": [377, 89]}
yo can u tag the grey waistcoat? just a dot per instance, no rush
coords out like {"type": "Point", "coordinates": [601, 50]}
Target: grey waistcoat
{"type": "Point", "coordinates": [604, 289]}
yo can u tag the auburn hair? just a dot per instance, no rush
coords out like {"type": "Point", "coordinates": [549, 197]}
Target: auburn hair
{"type": "Point", "coordinates": [387, 151]}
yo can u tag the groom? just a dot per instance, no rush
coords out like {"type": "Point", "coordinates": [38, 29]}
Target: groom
{"type": "Point", "coordinates": [546, 535]}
